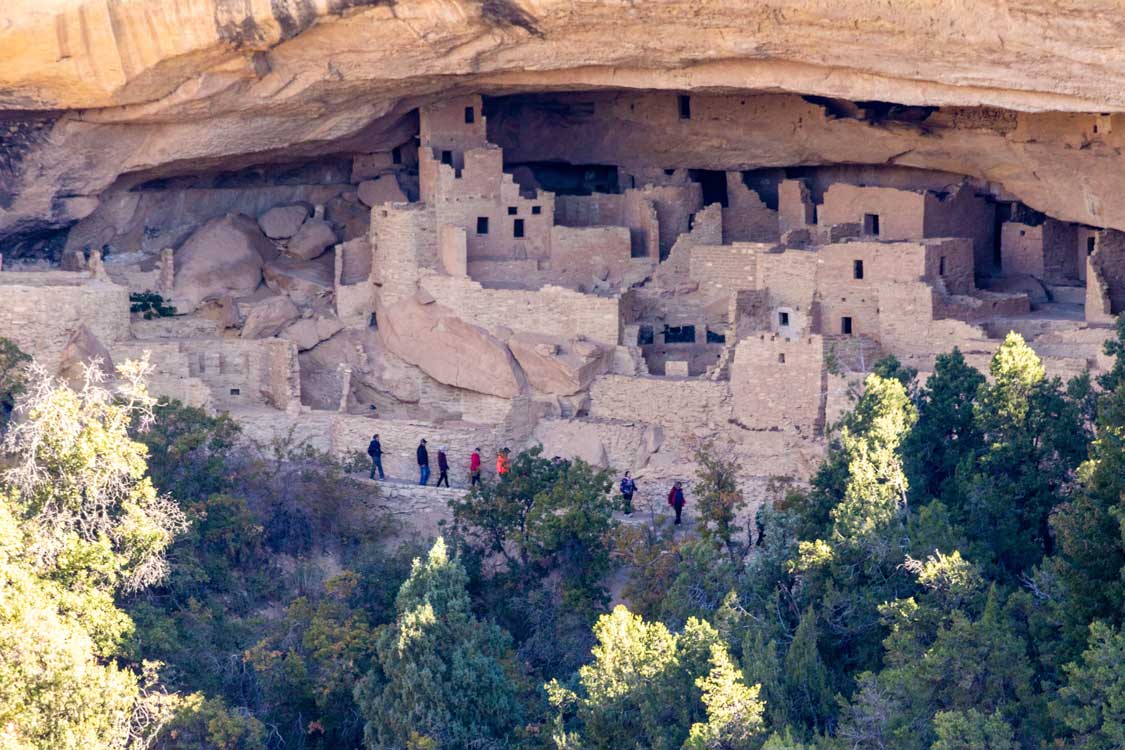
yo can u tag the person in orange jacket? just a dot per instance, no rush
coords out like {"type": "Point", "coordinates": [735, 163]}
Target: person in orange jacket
{"type": "Point", "coordinates": [502, 462]}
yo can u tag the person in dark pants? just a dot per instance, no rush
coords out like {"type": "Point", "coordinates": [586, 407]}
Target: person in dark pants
{"type": "Point", "coordinates": [423, 463]}
{"type": "Point", "coordinates": [760, 525]}
{"type": "Point", "coordinates": [375, 450]}
{"type": "Point", "coordinates": [628, 488]}
{"type": "Point", "coordinates": [442, 467]}
{"type": "Point", "coordinates": [676, 500]}
{"type": "Point", "coordinates": [474, 468]}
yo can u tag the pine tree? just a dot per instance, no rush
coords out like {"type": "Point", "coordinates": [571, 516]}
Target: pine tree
{"type": "Point", "coordinates": [806, 677]}
{"type": "Point", "coordinates": [734, 711]}
{"type": "Point", "coordinates": [442, 673]}
{"type": "Point", "coordinates": [1091, 705]}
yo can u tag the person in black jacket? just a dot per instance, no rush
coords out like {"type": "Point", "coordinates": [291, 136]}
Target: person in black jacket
{"type": "Point", "coordinates": [442, 467]}
{"type": "Point", "coordinates": [375, 450]}
{"type": "Point", "coordinates": [423, 463]}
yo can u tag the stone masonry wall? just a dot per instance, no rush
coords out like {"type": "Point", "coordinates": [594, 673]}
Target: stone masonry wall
{"type": "Point", "coordinates": [725, 269]}
{"type": "Point", "coordinates": [746, 218]}
{"type": "Point", "coordinates": [40, 311]}
{"type": "Point", "coordinates": [404, 239]}
{"type": "Point", "coordinates": [550, 310]}
{"type": "Point", "coordinates": [779, 384]}
{"type": "Point", "coordinates": [687, 410]}
{"type": "Point", "coordinates": [901, 213]}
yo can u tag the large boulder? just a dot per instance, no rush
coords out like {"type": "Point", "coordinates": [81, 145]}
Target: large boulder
{"type": "Point", "coordinates": [311, 240]}
{"type": "Point", "coordinates": [383, 189]}
{"type": "Point", "coordinates": [451, 351]}
{"type": "Point", "coordinates": [282, 222]}
{"type": "Point", "coordinates": [304, 281]}
{"type": "Point", "coordinates": [268, 317]}
{"type": "Point", "coordinates": [557, 366]}
{"type": "Point", "coordinates": [222, 257]}
{"type": "Point", "coordinates": [83, 350]}
{"type": "Point", "coordinates": [306, 333]}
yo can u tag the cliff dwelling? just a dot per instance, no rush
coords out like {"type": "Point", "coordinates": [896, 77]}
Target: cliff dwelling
{"type": "Point", "coordinates": [616, 275]}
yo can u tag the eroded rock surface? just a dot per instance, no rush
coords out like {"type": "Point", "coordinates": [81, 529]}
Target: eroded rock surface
{"type": "Point", "coordinates": [557, 366]}
{"type": "Point", "coordinates": [222, 257]}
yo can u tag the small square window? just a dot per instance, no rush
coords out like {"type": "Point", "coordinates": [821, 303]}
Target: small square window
{"type": "Point", "coordinates": [871, 224]}
{"type": "Point", "coordinates": [470, 116]}
{"type": "Point", "coordinates": [846, 325]}
{"type": "Point", "coordinates": [857, 269]}
{"type": "Point", "coordinates": [517, 228]}
{"type": "Point", "coordinates": [235, 391]}
{"type": "Point", "coordinates": [781, 359]}
{"type": "Point", "coordinates": [685, 107]}
{"type": "Point", "coordinates": [783, 318]}
{"type": "Point", "coordinates": [536, 210]}
{"type": "Point", "coordinates": [446, 157]}
{"type": "Point", "coordinates": [482, 225]}
{"type": "Point", "coordinates": [512, 210]}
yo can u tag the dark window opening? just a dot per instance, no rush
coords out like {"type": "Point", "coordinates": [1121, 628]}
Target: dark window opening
{"type": "Point", "coordinates": [1089, 245]}
{"type": "Point", "coordinates": [857, 269]}
{"type": "Point", "coordinates": [714, 184]}
{"type": "Point", "coordinates": [482, 225]}
{"type": "Point", "coordinates": [517, 228]}
{"type": "Point", "coordinates": [561, 178]}
{"type": "Point", "coordinates": [645, 336]}
{"type": "Point", "coordinates": [781, 359]}
{"type": "Point", "coordinates": [447, 157]}
{"type": "Point", "coordinates": [783, 318]}
{"type": "Point", "coordinates": [396, 155]}
{"type": "Point", "coordinates": [679, 334]}
{"type": "Point", "coordinates": [373, 322]}
{"type": "Point", "coordinates": [512, 210]}
{"type": "Point", "coordinates": [871, 224]}
{"type": "Point", "coordinates": [235, 391]}
{"type": "Point", "coordinates": [941, 266]}
{"type": "Point", "coordinates": [470, 116]}
{"type": "Point", "coordinates": [685, 107]}
{"type": "Point", "coordinates": [846, 325]}
{"type": "Point", "coordinates": [536, 210]}
{"type": "Point", "coordinates": [715, 338]}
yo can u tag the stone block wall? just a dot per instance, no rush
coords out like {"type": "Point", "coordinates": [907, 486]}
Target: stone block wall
{"type": "Point", "coordinates": [551, 310]}
{"type": "Point", "coordinates": [795, 209]}
{"type": "Point", "coordinates": [779, 384]}
{"type": "Point", "coordinates": [746, 218]}
{"type": "Point", "coordinates": [961, 213]}
{"type": "Point", "coordinates": [901, 213]}
{"type": "Point", "coordinates": [725, 269]}
{"type": "Point", "coordinates": [442, 124]}
{"type": "Point", "coordinates": [404, 240]}
{"type": "Point", "coordinates": [686, 410]}
{"type": "Point", "coordinates": [1109, 261]}
{"type": "Point", "coordinates": [581, 254]}
{"type": "Point", "coordinates": [40, 311]}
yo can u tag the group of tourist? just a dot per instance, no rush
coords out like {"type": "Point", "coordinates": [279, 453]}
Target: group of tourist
{"type": "Point", "coordinates": [375, 452]}
{"type": "Point", "coordinates": [628, 485]}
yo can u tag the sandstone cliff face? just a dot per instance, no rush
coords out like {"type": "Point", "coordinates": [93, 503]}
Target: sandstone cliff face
{"type": "Point", "coordinates": [107, 91]}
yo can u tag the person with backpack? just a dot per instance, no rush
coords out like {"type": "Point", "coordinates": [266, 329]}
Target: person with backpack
{"type": "Point", "coordinates": [423, 463]}
{"type": "Point", "coordinates": [628, 489]}
{"type": "Point", "coordinates": [442, 467]}
{"type": "Point", "coordinates": [375, 451]}
{"type": "Point", "coordinates": [676, 500]}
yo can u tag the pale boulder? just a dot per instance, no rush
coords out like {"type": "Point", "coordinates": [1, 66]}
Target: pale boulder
{"type": "Point", "coordinates": [311, 240]}
{"type": "Point", "coordinates": [268, 317]}
{"type": "Point", "coordinates": [222, 257]}
{"type": "Point", "coordinates": [557, 366]}
{"type": "Point", "coordinates": [384, 189]}
{"type": "Point", "coordinates": [282, 222]}
{"type": "Point", "coordinates": [83, 350]}
{"type": "Point", "coordinates": [451, 351]}
{"type": "Point", "coordinates": [304, 281]}
{"type": "Point", "coordinates": [308, 332]}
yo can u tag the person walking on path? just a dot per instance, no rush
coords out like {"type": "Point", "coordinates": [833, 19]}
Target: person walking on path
{"type": "Point", "coordinates": [676, 500]}
{"type": "Point", "coordinates": [502, 463]}
{"type": "Point", "coordinates": [628, 488]}
{"type": "Point", "coordinates": [474, 468]}
{"type": "Point", "coordinates": [375, 450]}
{"type": "Point", "coordinates": [423, 463]}
{"type": "Point", "coordinates": [442, 467]}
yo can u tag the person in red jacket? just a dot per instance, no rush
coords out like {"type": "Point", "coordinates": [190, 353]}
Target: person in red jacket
{"type": "Point", "coordinates": [676, 500]}
{"type": "Point", "coordinates": [474, 468]}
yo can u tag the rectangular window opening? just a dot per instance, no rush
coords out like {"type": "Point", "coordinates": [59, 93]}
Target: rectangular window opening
{"type": "Point", "coordinates": [470, 116]}
{"type": "Point", "coordinates": [781, 359]}
{"type": "Point", "coordinates": [645, 335]}
{"type": "Point", "coordinates": [846, 325]}
{"type": "Point", "coordinates": [517, 228]}
{"type": "Point", "coordinates": [857, 269]}
{"type": "Point", "coordinates": [447, 157]}
{"type": "Point", "coordinates": [871, 224]}
{"type": "Point", "coordinates": [685, 107]}
{"type": "Point", "coordinates": [512, 210]}
{"type": "Point", "coordinates": [783, 318]}
{"type": "Point", "coordinates": [1089, 245]}
{"type": "Point", "coordinates": [235, 391]}
{"type": "Point", "coordinates": [941, 266]}
{"type": "Point", "coordinates": [536, 210]}
{"type": "Point", "coordinates": [715, 338]}
{"type": "Point", "coordinates": [679, 334]}
{"type": "Point", "coordinates": [482, 225]}
{"type": "Point", "coordinates": [396, 155]}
